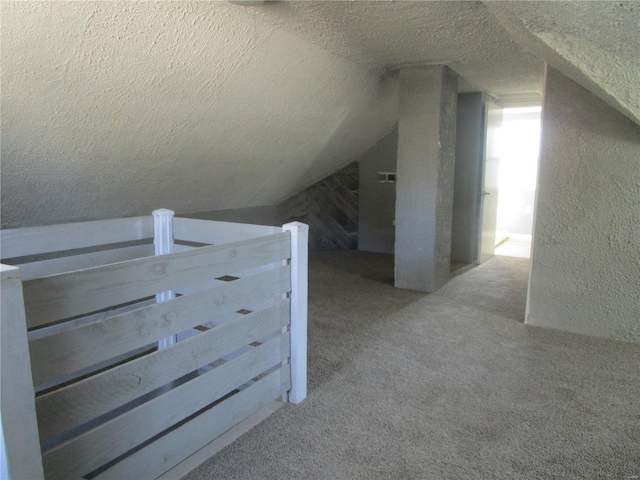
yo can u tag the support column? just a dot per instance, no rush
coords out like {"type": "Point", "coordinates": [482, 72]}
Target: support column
{"type": "Point", "coordinates": [424, 188]}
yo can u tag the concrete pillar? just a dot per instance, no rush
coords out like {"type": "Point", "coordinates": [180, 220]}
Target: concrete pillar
{"type": "Point", "coordinates": [424, 189]}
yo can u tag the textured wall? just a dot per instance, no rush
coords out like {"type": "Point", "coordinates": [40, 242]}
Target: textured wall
{"type": "Point", "coordinates": [377, 231]}
{"type": "Point", "coordinates": [383, 34]}
{"type": "Point", "coordinates": [585, 273]}
{"type": "Point", "coordinates": [424, 190]}
{"type": "Point", "coordinates": [595, 43]}
{"type": "Point", "coordinates": [253, 215]}
{"type": "Point", "coordinates": [117, 108]}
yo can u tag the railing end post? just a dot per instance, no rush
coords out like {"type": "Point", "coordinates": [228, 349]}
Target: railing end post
{"type": "Point", "coordinates": [19, 441]}
{"type": "Point", "coordinates": [299, 304]}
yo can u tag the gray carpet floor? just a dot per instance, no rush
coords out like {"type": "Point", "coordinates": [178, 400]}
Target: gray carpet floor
{"type": "Point", "coordinates": [452, 385]}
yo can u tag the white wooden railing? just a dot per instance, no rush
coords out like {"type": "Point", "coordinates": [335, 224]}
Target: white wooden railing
{"type": "Point", "coordinates": [267, 339]}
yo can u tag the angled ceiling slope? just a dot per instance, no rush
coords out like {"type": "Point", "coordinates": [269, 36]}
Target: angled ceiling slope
{"type": "Point", "coordinates": [387, 35]}
{"type": "Point", "coordinates": [596, 44]}
{"type": "Point", "coordinates": [117, 108]}
{"type": "Point", "coordinates": [498, 47]}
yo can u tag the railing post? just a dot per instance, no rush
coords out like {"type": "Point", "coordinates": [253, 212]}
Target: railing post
{"type": "Point", "coordinates": [163, 243]}
{"type": "Point", "coordinates": [19, 446]}
{"type": "Point", "coordinates": [299, 292]}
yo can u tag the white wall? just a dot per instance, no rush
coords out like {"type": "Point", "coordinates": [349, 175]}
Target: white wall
{"type": "Point", "coordinates": [585, 271]}
{"type": "Point", "coordinates": [117, 108]}
{"type": "Point", "coordinates": [377, 201]}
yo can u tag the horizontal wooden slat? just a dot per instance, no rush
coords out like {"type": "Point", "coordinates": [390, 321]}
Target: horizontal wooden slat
{"type": "Point", "coordinates": [214, 232]}
{"type": "Point", "coordinates": [80, 347]}
{"type": "Point", "coordinates": [87, 319]}
{"type": "Point", "coordinates": [211, 283]}
{"type": "Point", "coordinates": [83, 401]}
{"type": "Point", "coordinates": [93, 369]}
{"type": "Point", "coordinates": [21, 242]}
{"type": "Point", "coordinates": [182, 248]}
{"type": "Point", "coordinates": [61, 296]}
{"type": "Point", "coordinates": [77, 262]}
{"type": "Point", "coordinates": [106, 442]}
{"type": "Point", "coordinates": [227, 438]}
{"type": "Point", "coordinates": [158, 457]}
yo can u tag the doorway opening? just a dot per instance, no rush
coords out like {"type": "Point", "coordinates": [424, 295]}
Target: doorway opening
{"type": "Point", "coordinates": [518, 145]}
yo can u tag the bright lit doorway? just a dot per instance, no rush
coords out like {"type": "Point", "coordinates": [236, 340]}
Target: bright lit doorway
{"type": "Point", "coordinates": [518, 146]}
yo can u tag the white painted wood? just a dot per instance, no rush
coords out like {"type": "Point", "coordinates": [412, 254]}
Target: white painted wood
{"type": "Point", "coordinates": [74, 293]}
{"type": "Point", "coordinates": [189, 289]}
{"type": "Point", "coordinates": [299, 298]}
{"type": "Point", "coordinates": [89, 398]}
{"type": "Point", "coordinates": [163, 231]}
{"type": "Point", "coordinates": [62, 296]}
{"type": "Point", "coordinates": [259, 269]}
{"type": "Point", "coordinates": [88, 319]}
{"type": "Point", "coordinates": [20, 242]}
{"type": "Point", "coordinates": [20, 449]}
{"type": "Point", "coordinates": [182, 248]}
{"type": "Point", "coordinates": [228, 437]}
{"type": "Point", "coordinates": [163, 243]}
{"type": "Point", "coordinates": [214, 232]}
{"type": "Point", "coordinates": [210, 283]}
{"type": "Point", "coordinates": [106, 442]}
{"type": "Point", "coordinates": [78, 262]}
{"type": "Point", "coordinates": [70, 350]}
{"type": "Point", "coordinates": [168, 451]}
{"type": "Point", "coordinates": [53, 382]}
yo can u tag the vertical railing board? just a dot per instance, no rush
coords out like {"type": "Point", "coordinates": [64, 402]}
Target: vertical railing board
{"type": "Point", "coordinates": [299, 298]}
{"type": "Point", "coordinates": [163, 244]}
{"type": "Point", "coordinates": [20, 452]}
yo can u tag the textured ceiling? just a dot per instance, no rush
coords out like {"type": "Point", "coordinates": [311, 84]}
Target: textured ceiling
{"type": "Point", "coordinates": [387, 35]}
{"type": "Point", "coordinates": [597, 44]}
{"type": "Point", "coordinates": [117, 108]}
{"type": "Point", "coordinates": [498, 47]}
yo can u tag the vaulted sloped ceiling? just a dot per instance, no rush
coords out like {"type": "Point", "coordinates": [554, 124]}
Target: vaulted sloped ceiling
{"type": "Point", "coordinates": [117, 108]}
{"type": "Point", "coordinates": [382, 35]}
{"type": "Point", "coordinates": [597, 44]}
